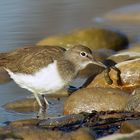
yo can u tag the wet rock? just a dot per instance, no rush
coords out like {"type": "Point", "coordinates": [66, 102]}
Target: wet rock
{"type": "Point", "coordinates": [130, 76]}
{"type": "Point", "coordinates": [132, 136]}
{"type": "Point", "coordinates": [130, 13]}
{"type": "Point", "coordinates": [129, 126]}
{"type": "Point", "coordinates": [27, 122]}
{"type": "Point", "coordinates": [99, 99]}
{"type": "Point", "coordinates": [133, 103]}
{"type": "Point", "coordinates": [124, 56]}
{"type": "Point", "coordinates": [24, 105]}
{"type": "Point", "coordinates": [93, 38]}
{"type": "Point", "coordinates": [31, 105]}
{"type": "Point", "coordinates": [35, 133]}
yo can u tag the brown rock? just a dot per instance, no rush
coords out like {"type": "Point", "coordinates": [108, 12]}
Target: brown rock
{"type": "Point", "coordinates": [132, 136]}
{"type": "Point", "coordinates": [24, 105]}
{"type": "Point", "coordinates": [130, 76]}
{"type": "Point", "coordinates": [99, 99]}
{"type": "Point", "coordinates": [27, 122]}
{"type": "Point", "coordinates": [127, 14]}
{"type": "Point", "coordinates": [34, 133]}
{"type": "Point", "coordinates": [130, 126]}
{"type": "Point", "coordinates": [124, 56]}
{"type": "Point", "coordinates": [133, 103]}
{"type": "Point", "coordinates": [93, 38]}
{"type": "Point", "coordinates": [31, 105]}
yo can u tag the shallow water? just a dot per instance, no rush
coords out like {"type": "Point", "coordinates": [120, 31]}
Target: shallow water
{"type": "Point", "coordinates": [26, 22]}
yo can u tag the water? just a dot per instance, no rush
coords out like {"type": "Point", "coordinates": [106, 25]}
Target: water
{"type": "Point", "coordinates": [26, 22]}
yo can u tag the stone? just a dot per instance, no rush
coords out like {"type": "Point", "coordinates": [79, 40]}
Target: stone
{"type": "Point", "coordinates": [130, 13]}
{"type": "Point", "coordinates": [132, 136]}
{"type": "Point", "coordinates": [99, 99]}
{"type": "Point", "coordinates": [35, 133]}
{"type": "Point", "coordinates": [21, 123]}
{"type": "Point", "coordinates": [135, 47]}
{"type": "Point", "coordinates": [133, 103]}
{"type": "Point", "coordinates": [123, 56]}
{"type": "Point", "coordinates": [31, 105]}
{"type": "Point", "coordinates": [94, 38]}
{"type": "Point", "coordinates": [129, 126]}
{"type": "Point", "coordinates": [130, 76]}
{"type": "Point", "coordinates": [23, 105]}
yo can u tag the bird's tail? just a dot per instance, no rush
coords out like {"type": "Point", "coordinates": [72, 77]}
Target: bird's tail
{"type": "Point", "coordinates": [4, 77]}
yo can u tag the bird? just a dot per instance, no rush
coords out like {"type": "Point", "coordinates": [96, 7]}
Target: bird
{"type": "Point", "coordinates": [46, 69]}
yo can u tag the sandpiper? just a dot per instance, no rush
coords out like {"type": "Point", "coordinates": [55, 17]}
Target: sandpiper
{"type": "Point", "coordinates": [46, 69]}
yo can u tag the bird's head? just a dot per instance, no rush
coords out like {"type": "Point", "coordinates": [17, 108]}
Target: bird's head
{"type": "Point", "coordinates": [81, 56]}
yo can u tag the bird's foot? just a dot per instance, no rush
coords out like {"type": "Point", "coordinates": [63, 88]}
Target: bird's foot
{"type": "Point", "coordinates": [42, 113]}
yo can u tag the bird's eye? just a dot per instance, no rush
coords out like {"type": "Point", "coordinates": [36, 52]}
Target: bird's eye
{"type": "Point", "coordinates": [83, 54]}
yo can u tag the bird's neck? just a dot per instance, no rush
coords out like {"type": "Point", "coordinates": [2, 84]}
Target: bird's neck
{"type": "Point", "coordinates": [67, 70]}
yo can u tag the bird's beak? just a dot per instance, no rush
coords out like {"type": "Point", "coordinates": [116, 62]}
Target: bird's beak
{"type": "Point", "coordinates": [93, 61]}
{"type": "Point", "coordinates": [99, 64]}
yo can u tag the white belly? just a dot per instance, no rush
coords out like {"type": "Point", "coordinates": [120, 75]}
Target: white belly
{"type": "Point", "coordinates": [46, 81]}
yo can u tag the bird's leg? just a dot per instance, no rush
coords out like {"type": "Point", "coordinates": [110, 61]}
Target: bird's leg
{"type": "Point", "coordinates": [43, 106]}
{"type": "Point", "coordinates": [38, 100]}
{"type": "Point", "coordinates": [45, 102]}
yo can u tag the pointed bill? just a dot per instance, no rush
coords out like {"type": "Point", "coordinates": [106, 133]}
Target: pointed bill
{"type": "Point", "coordinates": [99, 64]}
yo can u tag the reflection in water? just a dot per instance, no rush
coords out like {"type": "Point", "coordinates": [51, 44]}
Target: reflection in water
{"type": "Point", "coordinates": [24, 22]}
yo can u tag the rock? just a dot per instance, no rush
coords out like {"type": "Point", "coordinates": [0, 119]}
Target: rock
{"type": "Point", "coordinates": [35, 133]}
{"type": "Point", "coordinates": [23, 105]}
{"type": "Point", "coordinates": [123, 56]}
{"type": "Point", "coordinates": [130, 13]}
{"type": "Point", "coordinates": [21, 123]}
{"type": "Point", "coordinates": [132, 136]}
{"type": "Point", "coordinates": [129, 126]}
{"type": "Point", "coordinates": [130, 76]}
{"type": "Point", "coordinates": [30, 104]}
{"type": "Point", "coordinates": [134, 48]}
{"type": "Point", "coordinates": [133, 103]}
{"type": "Point", "coordinates": [94, 38]}
{"type": "Point", "coordinates": [99, 99]}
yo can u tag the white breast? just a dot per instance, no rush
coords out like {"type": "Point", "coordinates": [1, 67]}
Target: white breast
{"type": "Point", "coordinates": [45, 81]}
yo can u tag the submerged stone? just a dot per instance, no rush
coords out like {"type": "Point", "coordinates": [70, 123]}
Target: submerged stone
{"type": "Point", "coordinates": [23, 105]}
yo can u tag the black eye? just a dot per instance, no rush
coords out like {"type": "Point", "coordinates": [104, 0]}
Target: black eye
{"type": "Point", "coordinates": [83, 54]}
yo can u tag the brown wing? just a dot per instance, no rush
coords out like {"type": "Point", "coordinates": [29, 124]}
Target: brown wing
{"type": "Point", "coordinates": [31, 59]}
